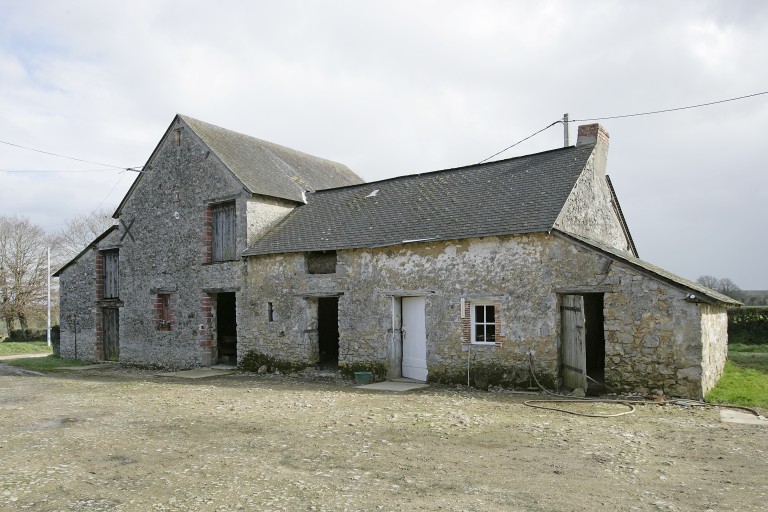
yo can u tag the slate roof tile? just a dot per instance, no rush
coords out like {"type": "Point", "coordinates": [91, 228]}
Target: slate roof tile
{"type": "Point", "coordinates": [271, 169]}
{"type": "Point", "coordinates": [517, 195]}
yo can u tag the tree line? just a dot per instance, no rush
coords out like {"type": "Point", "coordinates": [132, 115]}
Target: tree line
{"type": "Point", "coordinates": [24, 265]}
{"type": "Point", "coordinates": [729, 288]}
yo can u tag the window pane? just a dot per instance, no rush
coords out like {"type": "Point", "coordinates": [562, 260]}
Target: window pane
{"type": "Point", "coordinates": [490, 332]}
{"type": "Point", "coordinates": [490, 314]}
{"type": "Point", "coordinates": [479, 313]}
{"type": "Point", "coordinates": [479, 333]}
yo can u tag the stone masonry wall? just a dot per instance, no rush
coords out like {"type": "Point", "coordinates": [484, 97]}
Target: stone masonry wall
{"type": "Point", "coordinates": [714, 328]}
{"type": "Point", "coordinates": [264, 212]}
{"type": "Point", "coordinates": [168, 252]}
{"type": "Point", "coordinates": [77, 285]}
{"type": "Point", "coordinates": [653, 336]}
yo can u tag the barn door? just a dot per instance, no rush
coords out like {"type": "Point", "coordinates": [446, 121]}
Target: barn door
{"type": "Point", "coordinates": [111, 274]}
{"type": "Point", "coordinates": [414, 338]}
{"type": "Point", "coordinates": [574, 353]}
{"type": "Point", "coordinates": [111, 324]}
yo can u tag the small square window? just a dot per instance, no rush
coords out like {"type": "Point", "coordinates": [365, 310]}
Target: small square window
{"type": "Point", "coordinates": [483, 319]}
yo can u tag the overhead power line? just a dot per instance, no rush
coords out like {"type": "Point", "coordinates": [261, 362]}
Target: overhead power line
{"type": "Point", "coordinates": [520, 141]}
{"type": "Point", "coordinates": [669, 109]}
{"type": "Point", "coordinates": [623, 116]}
{"type": "Point", "coordinates": [42, 170]}
{"type": "Point", "coordinates": [134, 169]}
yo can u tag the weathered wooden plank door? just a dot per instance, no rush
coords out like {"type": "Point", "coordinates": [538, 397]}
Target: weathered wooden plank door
{"type": "Point", "coordinates": [111, 325]}
{"type": "Point", "coordinates": [224, 237]}
{"type": "Point", "coordinates": [111, 274]}
{"type": "Point", "coordinates": [414, 338]}
{"type": "Point", "coordinates": [574, 354]}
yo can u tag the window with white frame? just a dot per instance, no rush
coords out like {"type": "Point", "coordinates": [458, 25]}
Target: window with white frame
{"type": "Point", "coordinates": [483, 322]}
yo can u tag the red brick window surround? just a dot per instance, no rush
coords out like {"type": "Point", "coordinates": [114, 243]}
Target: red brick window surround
{"type": "Point", "coordinates": [163, 313]}
{"type": "Point", "coordinates": [481, 322]}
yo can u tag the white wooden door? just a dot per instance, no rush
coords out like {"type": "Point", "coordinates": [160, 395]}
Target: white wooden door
{"type": "Point", "coordinates": [414, 339]}
{"type": "Point", "coordinates": [574, 350]}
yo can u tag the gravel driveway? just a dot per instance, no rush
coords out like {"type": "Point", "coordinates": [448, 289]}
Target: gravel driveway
{"type": "Point", "coordinates": [125, 439]}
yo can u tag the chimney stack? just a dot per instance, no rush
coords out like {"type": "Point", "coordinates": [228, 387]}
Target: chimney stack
{"type": "Point", "coordinates": [591, 133]}
{"type": "Point", "coordinates": [595, 134]}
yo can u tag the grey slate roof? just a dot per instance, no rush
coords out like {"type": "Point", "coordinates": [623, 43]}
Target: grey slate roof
{"type": "Point", "coordinates": [518, 195]}
{"type": "Point", "coordinates": [659, 272]}
{"type": "Point", "coordinates": [270, 169]}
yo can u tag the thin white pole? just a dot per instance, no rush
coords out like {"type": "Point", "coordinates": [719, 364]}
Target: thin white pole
{"type": "Point", "coordinates": [49, 298]}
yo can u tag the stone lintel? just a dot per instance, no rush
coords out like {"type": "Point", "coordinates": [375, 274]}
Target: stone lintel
{"type": "Point", "coordinates": [576, 290]}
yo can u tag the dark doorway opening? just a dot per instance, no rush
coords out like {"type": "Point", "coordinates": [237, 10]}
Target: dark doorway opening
{"type": "Point", "coordinates": [110, 318]}
{"type": "Point", "coordinates": [226, 328]}
{"type": "Point", "coordinates": [595, 342]}
{"type": "Point", "coordinates": [328, 331]}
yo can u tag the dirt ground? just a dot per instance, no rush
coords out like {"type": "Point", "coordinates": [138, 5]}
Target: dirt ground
{"type": "Point", "coordinates": [126, 439]}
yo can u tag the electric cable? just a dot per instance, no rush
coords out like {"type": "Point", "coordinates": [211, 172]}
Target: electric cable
{"type": "Point", "coordinates": [667, 109]}
{"type": "Point", "coordinates": [134, 169]}
{"type": "Point", "coordinates": [559, 121]}
{"type": "Point", "coordinates": [64, 172]}
{"type": "Point", "coordinates": [521, 141]}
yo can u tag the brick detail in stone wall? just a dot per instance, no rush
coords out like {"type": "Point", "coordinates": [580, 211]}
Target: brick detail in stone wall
{"type": "Point", "coordinates": [497, 315]}
{"type": "Point", "coordinates": [99, 275]}
{"type": "Point", "coordinates": [163, 311]}
{"type": "Point", "coordinates": [207, 254]}
{"type": "Point", "coordinates": [206, 315]}
{"type": "Point", "coordinates": [466, 323]}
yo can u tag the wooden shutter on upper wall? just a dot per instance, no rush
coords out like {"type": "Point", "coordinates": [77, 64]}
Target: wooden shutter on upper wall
{"type": "Point", "coordinates": [111, 274]}
{"type": "Point", "coordinates": [223, 236]}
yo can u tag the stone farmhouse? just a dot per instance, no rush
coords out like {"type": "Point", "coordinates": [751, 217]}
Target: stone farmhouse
{"type": "Point", "coordinates": [228, 249]}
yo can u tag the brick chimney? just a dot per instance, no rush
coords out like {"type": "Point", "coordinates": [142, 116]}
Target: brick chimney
{"type": "Point", "coordinates": [590, 133]}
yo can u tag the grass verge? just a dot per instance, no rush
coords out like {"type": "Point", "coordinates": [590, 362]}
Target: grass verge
{"type": "Point", "coordinates": [745, 379]}
{"type": "Point", "coordinates": [43, 364]}
{"type": "Point", "coordinates": [11, 348]}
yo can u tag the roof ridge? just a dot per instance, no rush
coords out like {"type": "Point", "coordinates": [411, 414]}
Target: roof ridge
{"type": "Point", "coordinates": [453, 169]}
{"type": "Point", "coordinates": [262, 141]}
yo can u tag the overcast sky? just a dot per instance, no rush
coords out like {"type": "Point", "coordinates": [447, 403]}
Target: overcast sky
{"type": "Point", "coordinates": [393, 88]}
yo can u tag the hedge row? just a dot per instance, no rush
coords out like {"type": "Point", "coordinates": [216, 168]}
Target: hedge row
{"type": "Point", "coordinates": [748, 325]}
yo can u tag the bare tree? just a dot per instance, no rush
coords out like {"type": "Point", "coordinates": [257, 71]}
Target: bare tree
{"type": "Point", "coordinates": [710, 282]}
{"type": "Point", "coordinates": [729, 288]}
{"type": "Point", "coordinates": [724, 286]}
{"type": "Point", "coordinates": [23, 269]}
{"type": "Point", "coordinates": [80, 231]}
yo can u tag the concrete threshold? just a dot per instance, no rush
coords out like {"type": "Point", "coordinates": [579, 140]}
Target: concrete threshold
{"type": "Point", "coordinates": [398, 385]}
{"type": "Point", "coordinates": [742, 417]}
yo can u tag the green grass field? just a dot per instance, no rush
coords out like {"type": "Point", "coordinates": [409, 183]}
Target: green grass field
{"type": "Point", "coordinates": [46, 363]}
{"type": "Point", "coordinates": [10, 348]}
{"type": "Point", "coordinates": [745, 379]}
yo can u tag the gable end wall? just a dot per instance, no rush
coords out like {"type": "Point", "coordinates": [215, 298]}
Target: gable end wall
{"type": "Point", "coordinates": [589, 210]}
